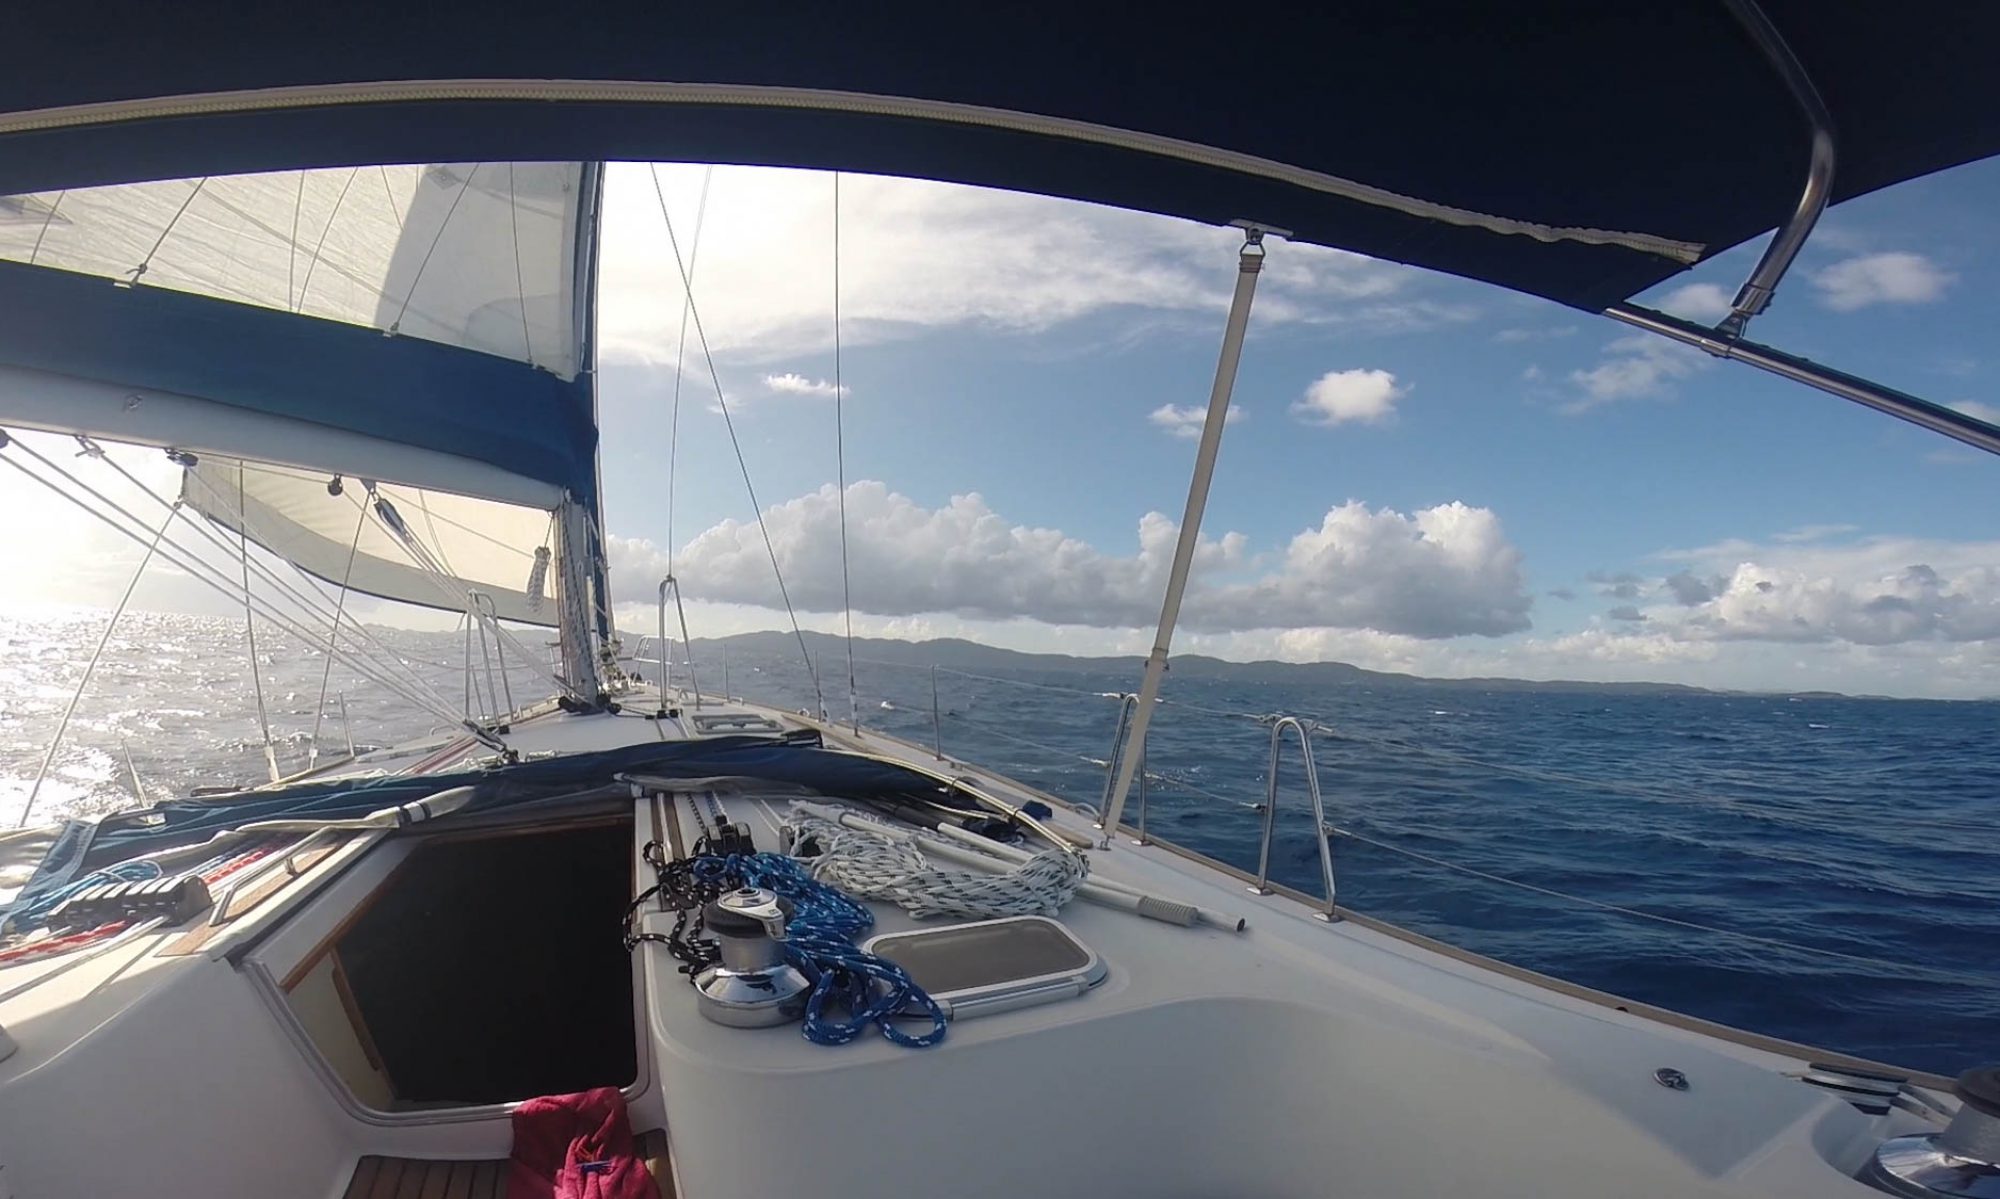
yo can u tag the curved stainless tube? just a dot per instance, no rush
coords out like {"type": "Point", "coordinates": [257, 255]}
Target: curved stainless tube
{"type": "Point", "coordinates": [1755, 295]}
{"type": "Point", "coordinates": [1320, 830]}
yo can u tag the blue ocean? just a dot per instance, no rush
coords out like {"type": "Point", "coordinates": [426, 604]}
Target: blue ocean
{"type": "Point", "coordinates": [1823, 869]}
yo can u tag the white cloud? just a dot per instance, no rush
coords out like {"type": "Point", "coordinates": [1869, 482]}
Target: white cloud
{"type": "Point", "coordinates": [1363, 396]}
{"type": "Point", "coordinates": [1876, 591]}
{"type": "Point", "coordinates": [1814, 533]}
{"type": "Point", "coordinates": [1519, 334]}
{"type": "Point", "coordinates": [1990, 413]}
{"type": "Point", "coordinates": [1636, 366]}
{"type": "Point", "coordinates": [1185, 420]}
{"type": "Point", "coordinates": [1704, 302]}
{"type": "Point", "coordinates": [1439, 572]}
{"type": "Point", "coordinates": [793, 383]}
{"type": "Point", "coordinates": [919, 255]}
{"type": "Point", "coordinates": [1888, 278]}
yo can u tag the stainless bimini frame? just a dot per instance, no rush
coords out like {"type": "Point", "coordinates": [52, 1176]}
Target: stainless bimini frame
{"type": "Point", "coordinates": [1726, 339]}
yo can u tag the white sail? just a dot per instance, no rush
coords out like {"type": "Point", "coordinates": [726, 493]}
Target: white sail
{"type": "Point", "coordinates": [475, 255]}
{"type": "Point", "coordinates": [427, 547]}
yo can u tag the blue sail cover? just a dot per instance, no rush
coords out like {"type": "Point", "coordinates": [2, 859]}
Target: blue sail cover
{"type": "Point", "coordinates": [799, 760]}
{"type": "Point", "coordinates": [1575, 149]}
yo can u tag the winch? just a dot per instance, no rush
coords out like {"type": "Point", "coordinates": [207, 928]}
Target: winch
{"type": "Point", "coordinates": [753, 986]}
{"type": "Point", "coordinates": [1962, 1162]}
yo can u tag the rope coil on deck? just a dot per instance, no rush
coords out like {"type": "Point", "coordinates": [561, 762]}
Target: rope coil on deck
{"type": "Point", "coordinates": [876, 866]}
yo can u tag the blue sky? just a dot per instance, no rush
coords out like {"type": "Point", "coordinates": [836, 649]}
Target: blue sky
{"type": "Point", "coordinates": [1424, 473]}
{"type": "Point", "coordinates": [1018, 349]}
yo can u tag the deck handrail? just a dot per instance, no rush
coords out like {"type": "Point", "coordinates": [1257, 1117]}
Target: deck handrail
{"type": "Point", "coordinates": [1321, 830]}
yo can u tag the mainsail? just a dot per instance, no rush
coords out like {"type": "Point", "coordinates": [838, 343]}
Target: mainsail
{"type": "Point", "coordinates": [379, 373]}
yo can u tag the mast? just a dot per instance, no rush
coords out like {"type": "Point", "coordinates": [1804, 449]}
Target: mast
{"type": "Point", "coordinates": [1249, 262]}
{"type": "Point", "coordinates": [586, 629]}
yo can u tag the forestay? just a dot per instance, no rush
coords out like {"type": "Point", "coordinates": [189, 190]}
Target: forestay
{"type": "Point", "coordinates": [401, 543]}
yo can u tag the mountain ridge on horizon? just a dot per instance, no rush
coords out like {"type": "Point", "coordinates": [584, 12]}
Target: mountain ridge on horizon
{"type": "Point", "coordinates": [962, 654]}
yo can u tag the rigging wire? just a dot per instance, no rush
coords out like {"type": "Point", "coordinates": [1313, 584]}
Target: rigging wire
{"type": "Point", "coordinates": [250, 627]}
{"type": "Point", "coordinates": [326, 671]}
{"type": "Point", "coordinates": [427, 564]}
{"type": "Point", "coordinates": [465, 185]}
{"type": "Point", "coordinates": [715, 380]}
{"type": "Point", "coordinates": [1900, 969]}
{"type": "Point", "coordinates": [312, 264]}
{"type": "Point", "coordinates": [202, 571]}
{"type": "Point", "coordinates": [139, 272]}
{"type": "Point", "coordinates": [311, 604]}
{"type": "Point", "coordinates": [292, 244]}
{"type": "Point", "coordinates": [520, 288]}
{"type": "Point", "coordinates": [46, 222]}
{"type": "Point", "coordinates": [55, 742]}
{"type": "Point", "coordinates": [390, 193]}
{"type": "Point", "coordinates": [680, 349]}
{"type": "Point", "coordinates": [840, 466]}
{"type": "Point", "coordinates": [1326, 729]}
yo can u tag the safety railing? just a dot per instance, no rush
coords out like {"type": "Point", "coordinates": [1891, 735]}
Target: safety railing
{"type": "Point", "coordinates": [1322, 832]}
{"type": "Point", "coordinates": [666, 647]}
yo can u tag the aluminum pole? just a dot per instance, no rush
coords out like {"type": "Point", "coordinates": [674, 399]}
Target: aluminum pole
{"type": "Point", "coordinates": [1249, 262]}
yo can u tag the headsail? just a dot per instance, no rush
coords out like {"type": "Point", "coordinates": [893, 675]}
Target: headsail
{"type": "Point", "coordinates": [408, 544]}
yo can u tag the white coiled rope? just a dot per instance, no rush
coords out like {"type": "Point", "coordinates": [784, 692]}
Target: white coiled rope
{"type": "Point", "coordinates": [890, 865]}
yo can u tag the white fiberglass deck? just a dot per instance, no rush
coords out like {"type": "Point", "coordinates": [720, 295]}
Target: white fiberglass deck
{"type": "Point", "coordinates": [1295, 1058]}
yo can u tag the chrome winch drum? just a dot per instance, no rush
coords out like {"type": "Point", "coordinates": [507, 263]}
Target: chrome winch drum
{"type": "Point", "coordinates": [1962, 1162]}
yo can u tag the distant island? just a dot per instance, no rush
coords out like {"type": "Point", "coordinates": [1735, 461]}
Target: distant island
{"type": "Point", "coordinates": [958, 654]}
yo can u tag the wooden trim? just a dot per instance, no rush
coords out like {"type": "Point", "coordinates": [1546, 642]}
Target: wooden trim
{"type": "Point", "coordinates": [192, 941]}
{"type": "Point", "coordinates": [344, 990]}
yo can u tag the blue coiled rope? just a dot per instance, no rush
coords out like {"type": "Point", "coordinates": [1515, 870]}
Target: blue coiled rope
{"type": "Point", "coordinates": [872, 991]}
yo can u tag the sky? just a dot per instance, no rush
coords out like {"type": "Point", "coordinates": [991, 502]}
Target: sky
{"type": "Point", "coordinates": [1420, 473]}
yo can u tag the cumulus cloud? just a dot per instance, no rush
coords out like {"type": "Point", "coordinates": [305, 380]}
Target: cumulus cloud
{"type": "Point", "coordinates": [1444, 571]}
{"type": "Point", "coordinates": [1689, 591]}
{"type": "Point", "coordinates": [1634, 367]}
{"type": "Point", "coordinates": [1519, 334]}
{"type": "Point", "coordinates": [1623, 585]}
{"type": "Point", "coordinates": [1704, 302]}
{"type": "Point", "coordinates": [795, 384]}
{"type": "Point", "coordinates": [1626, 613]}
{"type": "Point", "coordinates": [1876, 591]}
{"type": "Point", "coordinates": [1889, 278]}
{"type": "Point", "coordinates": [1362, 396]}
{"type": "Point", "coordinates": [1185, 420]}
{"type": "Point", "coordinates": [1439, 572]}
{"type": "Point", "coordinates": [919, 255]}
